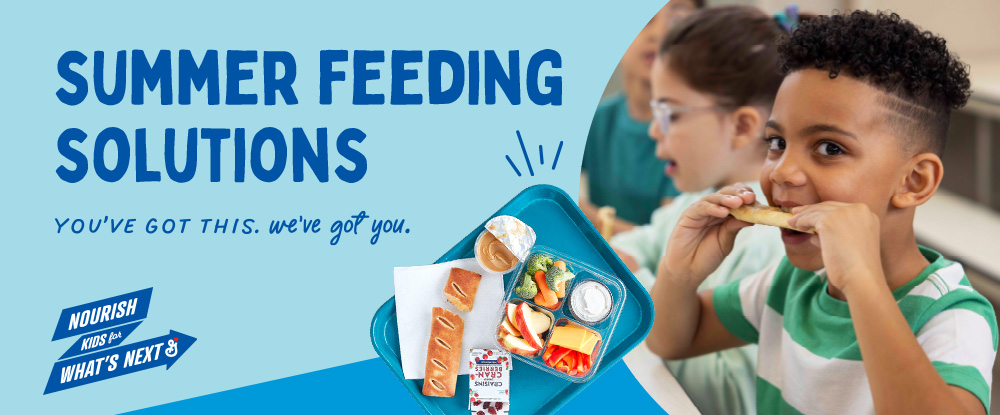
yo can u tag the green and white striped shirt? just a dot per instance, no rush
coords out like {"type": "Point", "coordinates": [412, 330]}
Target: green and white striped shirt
{"type": "Point", "coordinates": [809, 361]}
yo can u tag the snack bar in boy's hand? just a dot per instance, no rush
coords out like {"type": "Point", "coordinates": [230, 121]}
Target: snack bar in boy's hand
{"type": "Point", "coordinates": [489, 381]}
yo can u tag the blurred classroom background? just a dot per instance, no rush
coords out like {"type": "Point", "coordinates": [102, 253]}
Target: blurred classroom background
{"type": "Point", "coordinates": [963, 220]}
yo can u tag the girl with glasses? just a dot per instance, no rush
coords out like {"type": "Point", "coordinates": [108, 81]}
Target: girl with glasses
{"type": "Point", "coordinates": [713, 83]}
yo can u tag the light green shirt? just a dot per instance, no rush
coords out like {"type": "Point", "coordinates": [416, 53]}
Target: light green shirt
{"type": "Point", "coordinates": [810, 361]}
{"type": "Point", "coordinates": [723, 382]}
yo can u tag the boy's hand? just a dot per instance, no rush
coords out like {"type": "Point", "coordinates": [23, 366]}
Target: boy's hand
{"type": "Point", "coordinates": [848, 236]}
{"type": "Point", "coordinates": [704, 235]}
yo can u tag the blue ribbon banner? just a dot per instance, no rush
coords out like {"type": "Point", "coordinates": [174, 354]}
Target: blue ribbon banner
{"type": "Point", "coordinates": [121, 360]}
{"type": "Point", "coordinates": [101, 340]}
{"type": "Point", "coordinates": [102, 314]}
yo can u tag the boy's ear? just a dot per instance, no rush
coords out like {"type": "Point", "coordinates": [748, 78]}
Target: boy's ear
{"type": "Point", "coordinates": [748, 123]}
{"type": "Point", "coordinates": [920, 181]}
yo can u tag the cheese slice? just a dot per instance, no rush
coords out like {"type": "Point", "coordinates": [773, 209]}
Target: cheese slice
{"type": "Point", "coordinates": [575, 338]}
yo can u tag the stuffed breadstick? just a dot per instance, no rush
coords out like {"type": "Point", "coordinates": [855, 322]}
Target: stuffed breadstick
{"type": "Point", "coordinates": [443, 349]}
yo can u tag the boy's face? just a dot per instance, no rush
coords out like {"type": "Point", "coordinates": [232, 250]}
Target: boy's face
{"type": "Point", "coordinates": [828, 141]}
{"type": "Point", "coordinates": [638, 59]}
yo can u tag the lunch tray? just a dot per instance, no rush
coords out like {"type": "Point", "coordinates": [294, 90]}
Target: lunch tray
{"type": "Point", "coordinates": [558, 223]}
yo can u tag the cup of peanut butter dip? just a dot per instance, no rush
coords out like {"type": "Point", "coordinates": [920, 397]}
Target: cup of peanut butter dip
{"type": "Point", "coordinates": [505, 243]}
{"type": "Point", "coordinates": [493, 255]}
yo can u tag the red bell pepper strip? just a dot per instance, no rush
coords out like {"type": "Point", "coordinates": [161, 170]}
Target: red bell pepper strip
{"type": "Point", "coordinates": [566, 360]}
{"type": "Point", "coordinates": [548, 352]}
{"type": "Point", "coordinates": [558, 355]}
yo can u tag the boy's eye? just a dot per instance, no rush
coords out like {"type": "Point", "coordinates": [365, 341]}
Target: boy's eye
{"type": "Point", "coordinates": [775, 143]}
{"type": "Point", "coordinates": [674, 117]}
{"type": "Point", "coordinates": [829, 149]}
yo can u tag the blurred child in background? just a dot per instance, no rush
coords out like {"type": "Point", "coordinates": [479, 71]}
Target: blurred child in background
{"type": "Point", "coordinates": [619, 167]}
{"type": "Point", "coordinates": [713, 83]}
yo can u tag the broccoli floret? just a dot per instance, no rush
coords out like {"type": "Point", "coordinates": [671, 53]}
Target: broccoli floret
{"type": "Point", "coordinates": [554, 275]}
{"type": "Point", "coordinates": [538, 262]}
{"type": "Point", "coordinates": [528, 289]}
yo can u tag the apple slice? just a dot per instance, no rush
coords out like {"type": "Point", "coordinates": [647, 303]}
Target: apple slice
{"type": "Point", "coordinates": [518, 345]}
{"type": "Point", "coordinates": [539, 322]}
{"type": "Point", "coordinates": [523, 314]}
{"type": "Point", "coordinates": [508, 328]}
{"type": "Point", "coordinates": [510, 317]}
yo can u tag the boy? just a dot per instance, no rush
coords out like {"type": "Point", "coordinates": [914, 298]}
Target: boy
{"type": "Point", "coordinates": [857, 318]}
{"type": "Point", "coordinates": [619, 169]}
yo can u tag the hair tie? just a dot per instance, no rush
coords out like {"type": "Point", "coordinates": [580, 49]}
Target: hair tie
{"type": "Point", "coordinates": [789, 18]}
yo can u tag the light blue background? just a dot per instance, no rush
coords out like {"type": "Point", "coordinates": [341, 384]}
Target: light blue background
{"type": "Point", "coordinates": [265, 307]}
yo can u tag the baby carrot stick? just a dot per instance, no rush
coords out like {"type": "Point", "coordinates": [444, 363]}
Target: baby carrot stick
{"type": "Point", "coordinates": [539, 299]}
{"type": "Point", "coordinates": [543, 287]}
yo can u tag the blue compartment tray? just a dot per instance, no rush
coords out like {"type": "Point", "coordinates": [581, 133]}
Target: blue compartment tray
{"type": "Point", "coordinates": [558, 223]}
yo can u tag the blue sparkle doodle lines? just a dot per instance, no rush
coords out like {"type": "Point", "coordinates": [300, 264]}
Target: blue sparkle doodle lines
{"type": "Point", "coordinates": [527, 160]}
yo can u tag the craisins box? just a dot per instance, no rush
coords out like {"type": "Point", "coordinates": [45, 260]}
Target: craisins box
{"type": "Point", "coordinates": [489, 381]}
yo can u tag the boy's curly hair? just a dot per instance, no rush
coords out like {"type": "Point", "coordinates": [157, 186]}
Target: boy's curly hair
{"type": "Point", "coordinates": [923, 81]}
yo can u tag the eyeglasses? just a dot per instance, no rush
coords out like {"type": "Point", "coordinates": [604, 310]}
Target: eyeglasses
{"type": "Point", "coordinates": [662, 112]}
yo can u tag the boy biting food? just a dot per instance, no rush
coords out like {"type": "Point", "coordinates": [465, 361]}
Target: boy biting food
{"type": "Point", "coordinates": [857, 318]}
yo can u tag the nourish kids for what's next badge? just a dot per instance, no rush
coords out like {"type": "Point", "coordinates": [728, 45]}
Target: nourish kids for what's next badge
{"type": "Point", "coordinates": [102, 326]}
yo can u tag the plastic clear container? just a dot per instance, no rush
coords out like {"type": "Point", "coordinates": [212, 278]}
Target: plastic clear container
{"type": "Point", "coordinates": [561, 315]}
